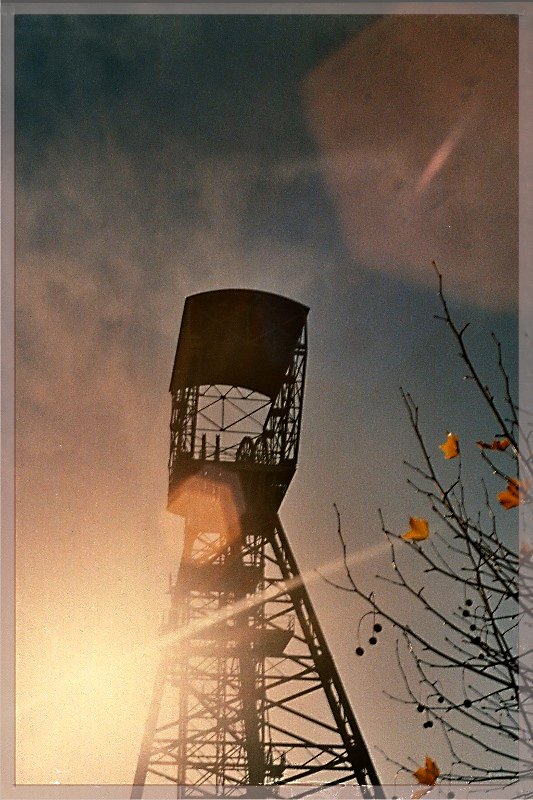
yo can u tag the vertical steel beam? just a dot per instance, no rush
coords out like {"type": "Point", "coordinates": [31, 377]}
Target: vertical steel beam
{"type": "Point", "coordinates": [151, 725]}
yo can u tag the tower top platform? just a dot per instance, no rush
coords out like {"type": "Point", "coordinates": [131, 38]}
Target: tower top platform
{"type": "Point", "coordinates": [237, 337]}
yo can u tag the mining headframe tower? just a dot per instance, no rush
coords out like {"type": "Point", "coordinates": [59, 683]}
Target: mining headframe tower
{"type": "Point", "coordinates": [247, 692]}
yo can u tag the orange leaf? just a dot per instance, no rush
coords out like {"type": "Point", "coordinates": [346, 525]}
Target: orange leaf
{"type": "Point", "coordinates": [510, 497]}
{"type": "Point", "coordinates": [427, 774]}
{"type": "Point", "coordinates": [496, 444]}
{"type": "Point", "coordinates": [419, 530]}
{"type": "Point", "coordinates": [450, 447]}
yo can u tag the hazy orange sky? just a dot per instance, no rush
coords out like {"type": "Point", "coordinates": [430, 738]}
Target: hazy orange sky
{"type": "Point", "coordinates": [325, 158]}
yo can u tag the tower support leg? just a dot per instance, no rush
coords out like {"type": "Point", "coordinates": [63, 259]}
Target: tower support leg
{"type": "Point", "coordinates": [151, 726]}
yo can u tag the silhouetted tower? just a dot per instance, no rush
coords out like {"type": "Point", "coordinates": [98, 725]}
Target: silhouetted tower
{"type": "Point", "coordinates": [247, 691]}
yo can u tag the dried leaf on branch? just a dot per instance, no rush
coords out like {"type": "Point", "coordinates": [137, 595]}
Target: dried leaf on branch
{"type": "Point", "coordinates": [450, 447]}
{"type": "Point", "coordinates": [513, 495]}
{"type": "Point", "coordinates": [418, 531]}
{"type": "Point", "coordinates": [496, 444]}
{"type": "Point", "coordinates": [427, 774]}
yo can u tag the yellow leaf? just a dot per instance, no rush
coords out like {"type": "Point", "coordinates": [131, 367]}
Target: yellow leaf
{"type": "Point", "coordinates": [496, 444]}
{"type": "Point", "coordinates": [514, 494]}
{"type": "Point", "coordinates": [450, 447]}
{"type": "Point", "coordinates": [427, 774]}
{"type": "Point", "coordinates": [419, 530]}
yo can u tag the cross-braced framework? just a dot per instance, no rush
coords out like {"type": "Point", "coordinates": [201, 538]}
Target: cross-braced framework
{"type": "Point", "coordinates": [247, 691]}
{"type": "Point", "coordinates": [259, 699]}
{"type": "Point", "coordinates": [217, 423]}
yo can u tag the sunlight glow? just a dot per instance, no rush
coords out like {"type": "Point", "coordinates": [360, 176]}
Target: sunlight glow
{"type": "Point", "coordinates": [212, 508]}
{"type": "Point", "coordinates": [98, 685]}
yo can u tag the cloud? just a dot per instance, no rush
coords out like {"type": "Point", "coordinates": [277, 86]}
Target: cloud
{"type": "Point", "coordinates": [107, 249]}
{"type": "Point", "coordinates": [417, 122]}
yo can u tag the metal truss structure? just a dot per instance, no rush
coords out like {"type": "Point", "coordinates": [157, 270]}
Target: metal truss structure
{"type": "Point", "coordinates": [247, 692]}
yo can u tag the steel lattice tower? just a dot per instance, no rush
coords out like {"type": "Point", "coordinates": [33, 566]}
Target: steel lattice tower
{"type": "Point", "coordinates": [247, 692]}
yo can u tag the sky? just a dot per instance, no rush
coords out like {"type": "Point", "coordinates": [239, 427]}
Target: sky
{"type": "Point", "coordinates": [325, 158]}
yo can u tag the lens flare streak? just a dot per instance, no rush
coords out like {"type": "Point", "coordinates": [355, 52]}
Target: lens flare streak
{"type": "Point", "coordinates": [269, 594]}
{"type": "Point", "coordinates": [440, 157]}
